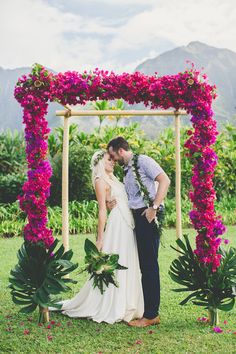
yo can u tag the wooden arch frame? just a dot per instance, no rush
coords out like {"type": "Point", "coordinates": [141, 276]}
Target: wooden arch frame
{"type": "Point", "coordinates": [68, 112]}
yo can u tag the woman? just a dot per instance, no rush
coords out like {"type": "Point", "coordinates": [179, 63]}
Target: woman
{"type": "Point", "coordinates": [114, 235]}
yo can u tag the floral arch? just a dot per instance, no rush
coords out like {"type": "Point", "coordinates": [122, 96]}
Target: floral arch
{"type": "Point", "coordinates": [187, 90]}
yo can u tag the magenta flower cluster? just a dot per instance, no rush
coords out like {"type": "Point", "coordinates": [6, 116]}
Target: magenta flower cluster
{"type": "Point", "coordinates": [33, 93]}
{"type": "Point", "coordinates": [188, 90]}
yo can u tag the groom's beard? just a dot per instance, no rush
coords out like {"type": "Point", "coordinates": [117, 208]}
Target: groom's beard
{"type": "Point", "coordinates": [121, 162]}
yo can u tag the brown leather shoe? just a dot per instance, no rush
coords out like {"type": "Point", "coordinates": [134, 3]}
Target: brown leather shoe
{"type": "Point", "coordinates": [145, 322]}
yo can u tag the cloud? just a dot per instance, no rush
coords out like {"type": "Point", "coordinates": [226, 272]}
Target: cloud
{"type": "Point", "coordinates": [54, 34]}
{"type": "Point", "coordinates": [180, 22]}
{"type": "Point", "coordinates": [36, 32]}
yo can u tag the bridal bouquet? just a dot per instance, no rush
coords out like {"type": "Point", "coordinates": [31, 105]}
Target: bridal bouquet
{"type": "Point", "coordinates": [101, 266]}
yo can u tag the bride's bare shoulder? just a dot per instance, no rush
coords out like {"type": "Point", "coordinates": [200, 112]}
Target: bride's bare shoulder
{"type": "Point", "coordinates": [101, 185]}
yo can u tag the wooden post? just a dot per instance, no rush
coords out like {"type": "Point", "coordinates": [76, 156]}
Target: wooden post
{"type": "Point", "coordinates": [43, 314]}
{"type": "Point", "coordinates": [65, 189]}
{"type": "Point", "coordinates": [178, 177]}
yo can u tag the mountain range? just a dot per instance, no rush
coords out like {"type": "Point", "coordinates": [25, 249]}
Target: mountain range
{"type": "Point", "coordinates": [218, 64]}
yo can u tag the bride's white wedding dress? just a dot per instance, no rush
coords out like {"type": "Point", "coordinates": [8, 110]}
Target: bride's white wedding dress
{"type": "Point", "coordinates": [125, 302]}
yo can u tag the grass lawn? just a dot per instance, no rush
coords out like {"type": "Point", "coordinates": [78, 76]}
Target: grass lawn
{"type": "Point", "coordinates": [179, 332]}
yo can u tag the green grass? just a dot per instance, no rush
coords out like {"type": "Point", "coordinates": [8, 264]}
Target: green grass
{"type": "Point", "coordinates": [179, 332]}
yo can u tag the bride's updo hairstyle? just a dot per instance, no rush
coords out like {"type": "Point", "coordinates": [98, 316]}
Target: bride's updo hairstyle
{"type": "Point", "coordinates": [98, 168]}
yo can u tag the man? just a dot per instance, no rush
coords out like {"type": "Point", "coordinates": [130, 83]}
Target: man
{"type": "Point", "coordinates": [141, 175]}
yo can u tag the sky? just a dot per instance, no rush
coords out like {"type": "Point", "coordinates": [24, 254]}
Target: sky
{"type": "Point", "coordinates": [109, 34]}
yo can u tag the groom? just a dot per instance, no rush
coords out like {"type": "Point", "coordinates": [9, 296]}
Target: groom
{"type": "Point", "coordinates": [144, 177]}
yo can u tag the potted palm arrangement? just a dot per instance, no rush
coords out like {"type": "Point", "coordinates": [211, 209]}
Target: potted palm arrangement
{"type": "Point", "coordinates": [212, 290]}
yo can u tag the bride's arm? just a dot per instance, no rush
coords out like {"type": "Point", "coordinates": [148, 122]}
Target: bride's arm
{"type": "Point", "coordinates": [100, 190]}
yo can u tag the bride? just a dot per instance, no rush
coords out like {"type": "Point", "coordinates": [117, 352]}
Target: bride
{"type": "Point", "coordinates": [115, 234]}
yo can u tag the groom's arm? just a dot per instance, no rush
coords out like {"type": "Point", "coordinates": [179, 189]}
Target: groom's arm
{"type": "Point", "coordinates": [163, 186]}
{"type": "Point", "coordinates": [164, 183]}
{"type": "Point", "coordinates": [154, 171]}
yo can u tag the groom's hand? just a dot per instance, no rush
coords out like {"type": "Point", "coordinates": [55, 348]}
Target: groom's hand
{"type": "Point", "coordinates": [150, 214]}
{"type": "Point", "coordinates": [111, 203]}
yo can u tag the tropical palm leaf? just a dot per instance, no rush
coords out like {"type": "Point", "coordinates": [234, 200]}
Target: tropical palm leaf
{"type": "Point", "coordinates": [39, 274]}
{"type": "Point", "coordinates": [208, 289]}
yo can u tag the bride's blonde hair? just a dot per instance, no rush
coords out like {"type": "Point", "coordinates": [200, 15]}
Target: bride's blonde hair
{"type": "Point", "coordinates": [98, 168]}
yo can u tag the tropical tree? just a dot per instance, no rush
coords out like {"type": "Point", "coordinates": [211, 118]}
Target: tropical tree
{"type": "Point", "coordinates": [101, 106]}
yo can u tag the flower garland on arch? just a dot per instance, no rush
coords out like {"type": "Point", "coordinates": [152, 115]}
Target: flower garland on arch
{"type": "Point", "coordinates": [188, 90]}
{"type": "Point", "coordinates": [145, 194]}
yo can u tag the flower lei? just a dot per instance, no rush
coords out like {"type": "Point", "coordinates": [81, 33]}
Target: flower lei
{"type": "Point", "coordinates": [145, 194]}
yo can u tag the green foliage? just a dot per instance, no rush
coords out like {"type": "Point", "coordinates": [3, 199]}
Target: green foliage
{"type": "Point", "coordinates": [101, 266]}
{"type": "Point", "coordinates": [12, 165]}
{"type": "Point", "coordinates": [212, 290]}
{"type": "Point", "coordinates": [39, 275]}
{"type": "Point", "coordinates": [83, 216]}
{"type": "Point", "coordinates": [82, 146]}
{"type": "Point", "coordinates": [132, 133]}
{"type": "Point", "coordinates": [11, 186]}
{"type": "Point", "coordinates": [12, 220]}
{"type": "Point", "coordinates": [101, 106]}
{"type": "Point", "coordinates": [179, 332]}
{"type": "Point", "coordinates": [80, 186]}
{"type": "Point", "coordinates": [36, 69]}
{"type": "Point", "coordinates": [55, 140]}
{"type": "Point", "coordinates": [12, 152]}
{"type": "Point", "coordinates": [226, 168]}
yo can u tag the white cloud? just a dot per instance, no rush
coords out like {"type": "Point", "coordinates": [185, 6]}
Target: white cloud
{"type": "Point", "coordinates": [35, 31]}
{"type": "Point", "coordinates": [181, 21]}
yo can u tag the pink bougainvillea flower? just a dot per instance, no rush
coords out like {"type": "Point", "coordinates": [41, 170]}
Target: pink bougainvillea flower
{"type": "Point", "coordinates": [138, 342]}
{"type": "Point", "coordinates": [225, 322]}
{"type": "Point", "coordinates": [40, 324]}
{"type": "Point", "coordinates": [52, 322]}
{"type": "Point", "coordinates": [26, 332]}
{"type": "Point", "coordinates": [217, 330]}
{"type": "Point", "coordinates": [48, 326]}
{"type": "Point", "coordinates": [226, 241]}
{"type": "Point", "coordinates": [49, 338]}
{"type": "Point", "coordinates": [202, 319]}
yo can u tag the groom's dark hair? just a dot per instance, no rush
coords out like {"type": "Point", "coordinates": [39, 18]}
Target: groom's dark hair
{"type": "Point", "coordinates": [118, 143]}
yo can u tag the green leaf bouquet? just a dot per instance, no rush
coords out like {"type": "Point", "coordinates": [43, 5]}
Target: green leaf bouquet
{"type": "Point", "coordinates": [101, 266]}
